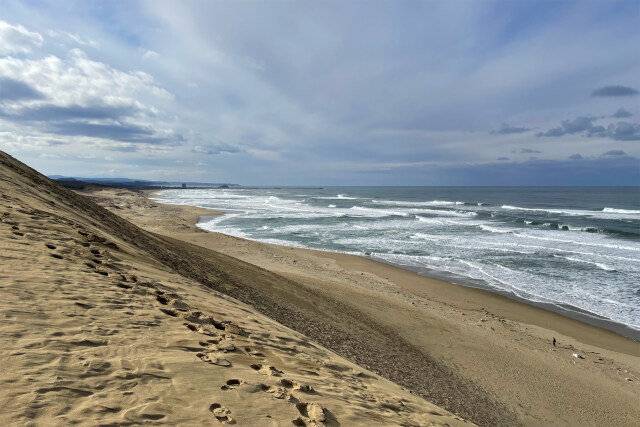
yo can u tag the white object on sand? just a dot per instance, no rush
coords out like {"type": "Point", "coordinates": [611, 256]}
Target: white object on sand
{"type": "Point", "coordinates": [577, 356]}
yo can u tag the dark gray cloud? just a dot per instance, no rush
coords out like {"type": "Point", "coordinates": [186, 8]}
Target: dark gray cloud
{"type": "Point", "coordinates": [529, 151]}
{"type": "Point", "coordinates": [622, 114]}
{"type": "Point", "coordinates": [615, 91]}
{"type": "Point", "coordinates": [552, 132]}
{"type": "Point", "coordinates": [214, 149]}
{"type": "Point", "coordinates": [74, 120]}
{"type": "Point", "coordinates": [49, 112]}
{"type": "Point", "coordinates": [615, 153]}
{"type": "Point", "coordinates": [597, 131]}
{"type": "Point", "coordinates": [122, 149]}
{"type": "Point", "coordinates": [576, 157]}
{"type": "Point", "coordinates": [14, 90]}
{"type": "Point", "coordinates": [507, 129]}
{"type": "Point", "coordinates": [625, 131]}
{"type": "Point", "coordinates": [621, 131]}
{"type": "Point", "coordinates": [579, 124]}
{"type": "Point", "coordinates": [116, 131]}
{"type": "Point", "coordinates": [503, 158]}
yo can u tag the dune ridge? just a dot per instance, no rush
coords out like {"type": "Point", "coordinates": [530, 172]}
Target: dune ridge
{"type": "Point", "coordinates": [104, 323]}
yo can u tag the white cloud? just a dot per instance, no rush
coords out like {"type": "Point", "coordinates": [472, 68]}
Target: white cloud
{"type": "Point", "coordinates": [77, 80]}
{"type": "Point", "coordinates": [17, 39]}
{"type": "Point", "coordinates": [150, 55]}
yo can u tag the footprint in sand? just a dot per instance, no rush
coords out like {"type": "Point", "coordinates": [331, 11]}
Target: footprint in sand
{"type": "Point", "coordinates": [214, 360]}
{"type": "Point", "coordinates": [306, 388]}
{"type": "Point", "coordinates": [221, 413]}
{"type": "Point", "coordinates": [312, 414]}
{"type": "Point", "coordinates": [231, 384]}
{"type": "Point", "coordinates": [266, 370]}
{"type": "Point", "coordinates": [252, 352]}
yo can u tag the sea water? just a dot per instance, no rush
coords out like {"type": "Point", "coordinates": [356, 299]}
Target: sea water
{"type": "Point", "coordinates": [571, 247]}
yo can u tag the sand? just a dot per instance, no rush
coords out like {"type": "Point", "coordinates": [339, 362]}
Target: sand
{"type": "Point", "coordinates": [485, 357]}
{"type": "Point", "coordinates": [103, 323]}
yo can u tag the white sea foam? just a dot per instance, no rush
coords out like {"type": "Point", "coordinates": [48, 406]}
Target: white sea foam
{"type": "Point", "coordinates": [428, 203]}
{"type": "Point", "coordinates": [621, 211]}
{"type": "Point", "coordinates": [495, 229]}
{"type": "Point", "coordinates": [608, 213]}
{"type": "Point", "coordinates": [597, 264]}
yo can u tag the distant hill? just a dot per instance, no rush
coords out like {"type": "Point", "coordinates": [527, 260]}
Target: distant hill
{"type": "Point", "coordinates": [74, 182]}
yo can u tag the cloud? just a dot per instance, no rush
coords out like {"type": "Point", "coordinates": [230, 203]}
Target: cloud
{"type": "Point", "coordinates": [622, 114]}
{"type": "Point", "coordinates": [615, 91]}
{"type": "Point", "coordinates": [625, 131]}
{"type": "Point", "coordinates": [76, 96]}
{"type": "Point", "coordinates": [621, 131]}
{"type": "Point", "coordinates": [576, 157]}
{"type": "Point", "coordinates": [552, 132]}
{"type": "Point", "coordinates": [579, 124]}
{"type": "Point", "coordinates": [507, 129]}
{"type": "Point", "coordinates": [529, 151]}
{"type": "Point", "coordinates": [615, 153]}
{"type": "Point", "coordinates": [122, 148]}
{"type": "Point", "coordinates": [428, 93]}
{"type": "Point", "coordinates": [116, 131]}
{"type": "Point", "coordinates": [503, 158]}
{"type": "Point", "coordinates": [214, 149]}
{"type": "Point", "coordinates": [597, 131]}
{"type": "Point", "coordinates": [150, 54]}
{"type": "Point", "coordinates": [49, 112]}
{"type": "Point", "coordinates": [17, 39]}
{"type": "Point", "coordinates": [13, 90]}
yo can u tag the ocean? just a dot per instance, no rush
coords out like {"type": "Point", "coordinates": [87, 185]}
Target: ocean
{"type": "Point", "coordinates": [575, 248]}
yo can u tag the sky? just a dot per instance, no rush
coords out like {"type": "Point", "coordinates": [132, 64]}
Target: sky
{"type": "Point", "coordinates": [324, 92]}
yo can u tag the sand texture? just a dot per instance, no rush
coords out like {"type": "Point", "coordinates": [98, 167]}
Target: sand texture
{"type": "Point", "coordinates": [102, 323]}
{"type": "Point", "coordinates": [480, 355]}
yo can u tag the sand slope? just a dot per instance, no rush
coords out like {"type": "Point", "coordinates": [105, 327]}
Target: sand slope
{"type": "Point", "coordinates": [98, 328]}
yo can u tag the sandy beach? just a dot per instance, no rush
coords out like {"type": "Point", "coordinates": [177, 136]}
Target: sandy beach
{"type": "Point", "coordinates": [104, 323]}
{"type": "Point", "coordinates": [485, 357]}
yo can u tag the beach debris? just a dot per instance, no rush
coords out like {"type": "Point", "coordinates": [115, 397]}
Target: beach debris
{"type": "Point", "coordinates": [578, 356]}
{"type": "Point", "coordinates": [554, 341]}
{"type": "Point", "coordinates": [628, 379]}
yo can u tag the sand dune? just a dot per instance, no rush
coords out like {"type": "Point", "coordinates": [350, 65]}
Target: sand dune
{"type": "Point", "coordinates": [99, 328]}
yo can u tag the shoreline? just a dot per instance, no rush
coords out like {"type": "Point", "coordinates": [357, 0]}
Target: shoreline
{"type": "Point", "coordinates": [453, 344]}
{"type": "Point", "coordinates": [566, 310]}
